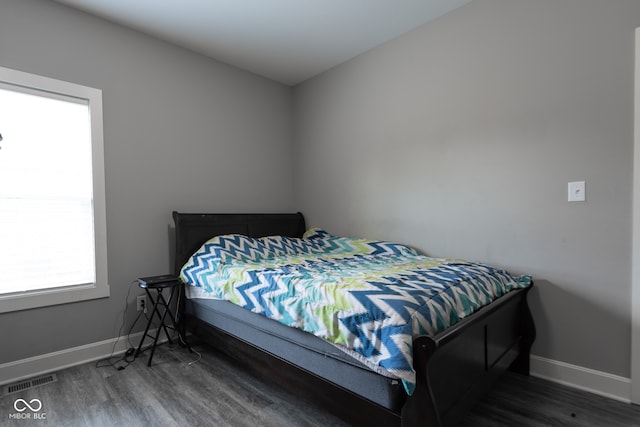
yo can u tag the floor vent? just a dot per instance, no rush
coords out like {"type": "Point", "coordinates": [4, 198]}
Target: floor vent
{"type": "Point", "coordinates": [30, 383]}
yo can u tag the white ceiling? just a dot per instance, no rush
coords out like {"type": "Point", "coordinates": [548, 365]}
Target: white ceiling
{"type": "Point", "coordinates": [286, 40]}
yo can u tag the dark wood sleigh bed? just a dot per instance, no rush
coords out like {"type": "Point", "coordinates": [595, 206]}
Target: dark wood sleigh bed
{"type": "Point", "coordinates": [454, 368]}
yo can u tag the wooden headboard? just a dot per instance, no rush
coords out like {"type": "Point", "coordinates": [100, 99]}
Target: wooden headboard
{"type": "Point", "coordinates": [192, 229]}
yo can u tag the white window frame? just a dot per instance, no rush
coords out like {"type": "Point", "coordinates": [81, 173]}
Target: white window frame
{"type": "Point", "coordinates": [99, 289]}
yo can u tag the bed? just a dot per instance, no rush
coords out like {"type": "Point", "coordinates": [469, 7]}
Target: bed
{"type": "Point", "coordinates": [452, 368]}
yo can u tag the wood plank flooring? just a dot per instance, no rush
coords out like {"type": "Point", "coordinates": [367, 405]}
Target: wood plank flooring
{"type": "Point", "coordinates": [518, 400]}
{"type": "Point", "coordinates": [215, 392]}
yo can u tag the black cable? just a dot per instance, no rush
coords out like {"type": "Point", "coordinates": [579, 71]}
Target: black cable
{"type": "Point", "coordinates": [129, 355]}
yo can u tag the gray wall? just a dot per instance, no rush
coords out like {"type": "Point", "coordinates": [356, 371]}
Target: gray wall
{"type": "Point", "coordinates": [181, 132]}
{"type": "Point", "coordinates": [460, 138]}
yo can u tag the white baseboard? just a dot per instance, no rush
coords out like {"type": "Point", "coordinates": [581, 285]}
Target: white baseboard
{"type": "Point", "coordinates": [597, 382]}
{"type": "Point", "coordinates": [39, 365]}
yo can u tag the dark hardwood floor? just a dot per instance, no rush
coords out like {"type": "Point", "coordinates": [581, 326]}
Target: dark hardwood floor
{"type": "Point", "coordinates": [215, 392]}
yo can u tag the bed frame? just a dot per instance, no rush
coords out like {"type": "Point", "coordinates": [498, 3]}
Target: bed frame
{"type": "Point", "coordinates": [455, 368]}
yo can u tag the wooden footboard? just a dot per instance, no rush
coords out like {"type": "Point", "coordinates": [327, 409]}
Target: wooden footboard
{"type": "Point", "coordinates": [459, 366]}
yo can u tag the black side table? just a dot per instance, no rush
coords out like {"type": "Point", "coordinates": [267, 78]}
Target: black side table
{"type": "Point", "coordinates": [159, 284]}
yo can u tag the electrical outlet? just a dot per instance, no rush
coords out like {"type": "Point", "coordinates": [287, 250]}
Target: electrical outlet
{"type": "Point", "coordinates": [141, 303]}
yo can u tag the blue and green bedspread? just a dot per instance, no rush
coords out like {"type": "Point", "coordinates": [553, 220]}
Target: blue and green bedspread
{"type": "Point", "coordinates": [369, 298]}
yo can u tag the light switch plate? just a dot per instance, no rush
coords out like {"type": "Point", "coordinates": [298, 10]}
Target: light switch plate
{"type": "Point", "coordinates": [577, 191]}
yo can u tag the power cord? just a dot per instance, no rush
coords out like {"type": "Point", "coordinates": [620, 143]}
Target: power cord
{"type": "Point", "coordinates": [121, 363]}
{"type": "Point", "coordinates": [197, 360]}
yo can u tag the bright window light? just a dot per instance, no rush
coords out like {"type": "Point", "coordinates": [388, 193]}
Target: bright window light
{"type": "Point", "coordinates": [51, 235]}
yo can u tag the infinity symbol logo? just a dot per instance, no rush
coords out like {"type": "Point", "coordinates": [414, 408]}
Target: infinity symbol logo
{"type": "Point", "coordinates": [24, 405]}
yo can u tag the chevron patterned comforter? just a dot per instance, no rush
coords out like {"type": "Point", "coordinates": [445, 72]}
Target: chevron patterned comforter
{"type": "Point", "coordinates": [369, 298]}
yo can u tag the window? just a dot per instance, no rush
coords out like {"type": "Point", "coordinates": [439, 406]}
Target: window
{"type": "Point", "coordinates": [52, 202]}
